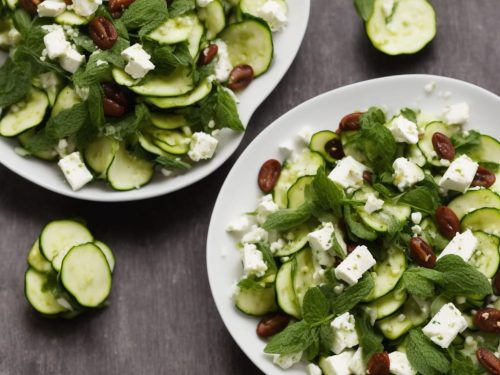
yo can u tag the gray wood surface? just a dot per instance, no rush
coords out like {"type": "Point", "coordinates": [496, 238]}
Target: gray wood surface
{"type": "Point", "coordinates": [162, 319]}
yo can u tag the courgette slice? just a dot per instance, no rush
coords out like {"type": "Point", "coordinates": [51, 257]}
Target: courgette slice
{"type": "Point", "coordinates": [200, 92]}
{"type": "Point", "coordinates": [425, 144]}
{"type": "Point", "coordinates": [296, 193]}
{"type": "Point", "coordinates": [36, 260]}
{"type": "Point", "coordinates": [484, 219]}
{"type": "Point", "coordinates": [214, 18]}
{"type": "Point", "coordinates": [168, 121]}
{"type": "Point", "coordinates": [128, 172]}
{"type": "Point", "coordinates": [252, 8]}
{"type": "Point", "coordinates": [171, 141]}
{"type": "Point", "coordinates": [472, 200]}
{"type": "Point", "coordinates": [302, 274]}
{"type": "Point", "coordinates": [67, 98]}
{"type": "Point", "coordinates": [298, 239]}
{"type": "Point", "coordinates": [287, 299]}
{"type": "Point", "coordinates": [100, 153]}
{"type": "Point", "coordinates": [108, 253]}
{"type": "Point", "coordinates": [487, 150]}
{"type": "Point", "coordinates": [70, 18]}
{"type": "Point", "coordinates": [41, 292]}
{"type": "Point", "coordinates": [24, 138]}
{"type": "Point", "coordinates": [256, 302]}
{"type": "Point", "coordinates": [194, 40]}
{"type": "Point", "coordinates": [486, 257]}
{"type": "Point", "coordinates": [399, 323]}
{"type": "Point", "coordinates": [321, 142]}
{"type": "Point", "coordinates": [388, 304]}
{"type": "Point", "coordinates": [174, 30]}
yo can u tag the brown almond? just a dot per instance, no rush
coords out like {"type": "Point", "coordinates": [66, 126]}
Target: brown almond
{"type": "Point", "coordinates": [488, 320]}
{"type": "Point", "coordinates": [483, 178]}
{"type": "Point", "coordinates": [268, 175]}
{"type": "Point", "coordinates": [379, 364]}
{"type": "Point", "coordinates": [240, 77]}
{"type": "Point", "coordinates": [350, 122]}
{"type": "Point", "coordinates": [421, 253]}
{"type": "Point", "coordinates": [489, 361]}
{"type": "Point", "coordinates": [443, 146]}
{"type": "Point", "coordinates": [272, 324]}
{"type": "Point", "coordinates": [447, 222]}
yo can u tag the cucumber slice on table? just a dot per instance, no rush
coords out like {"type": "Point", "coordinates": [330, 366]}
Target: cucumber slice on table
{"type": "Point", "coordinates": [128, 172]}
{"type": "Point", "coordinates": [110, 257]}
{"type": "Point", "coordinates": [214, 18]}
{"type": "Point", "coordinates": [250, 42]}
{"type": "Point", "coordinates": [200, 92]}
{"type": "Point", "coordinates": [174, 30]}
{"type": "Point", "coordinates": [100, 153]}
{"type": "Point", "coordinates": [86, 275]}
{"type": "Point", "coordinates": [320, 142]}
{"type": "Point", "coordinates": [41, 292]}
{"type": "Point", "coordinates": [36, 260]}
{"type": "Point", "coordinates": [19, 118]}
{"type": "Point", "coordinates": [425, 144]}
{"type": "Point", "coordinates": [408, 29]}
{"type": "Point", "coordinates": [484, 219]}
{"type": "Point", "coordinates": [287, 300]}
{"type": "Point", "coordinates": [256, 302]}
{"type": "Point", "coordinates": [472, 200]}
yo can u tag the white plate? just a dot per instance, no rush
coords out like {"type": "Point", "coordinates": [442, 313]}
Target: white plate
{"type": "Point", "coordinates": [240, 192]}
{"type": "Point", "coordinates": [286, 46]}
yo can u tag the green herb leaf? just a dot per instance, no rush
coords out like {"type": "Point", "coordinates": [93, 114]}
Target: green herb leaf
{"type": "Point", "coordinates": [268, 258]}
{"type": "Point", "coordinates": [315, 307]}
{"type": "Point", "coordinates": [356, 226]}
{"type": "Point", "coordinates": [419, 281]}
{"type": "Point", "coordinates": [84, 41]}
{"type": "Point", "coordinates": [460, 364]}
{"type": "Point", "coordinates": [409, 114]}
{"type": "Point", "coordinates": [353, 295]}
{"type": "Point", "coordinates": [95, 105]}
{"type": "Point", "coordinates": [166, 56]}
{"type": "Point", "coordinates": [364, 8]}
{"type": "Point", "coordinates": [172, 162]}
{"type": "Point", "coordinates": [421, 198]}
{"type": "Point", "coordinates": [132, 123]}
{"type": "Point", "coordinates": [92, 72]}
{"type": "Point", "coordinates": [294, 338]}
{"type": "Point", "coordinates": [68, 121]}
{"type": "Point", "coordinates": [22, 21]}
{"type": "Point", "coordinates": [143, 12]}
{"type": "Point", "coordinates": [40, 142]}
{"type": "Point", "coordinates": [325, 339]}
{"type": "Point", "coordinates": [328, 194]}
{"type": "Point", "coordinates": [179, 7]}
{"type": "Point", "coordinates": [226, 113]}
{"type": "Point", "coordinates": [466, 144]}
{"type": "Point", "coordinates": [491, 166]}
{"type": "Point", "coordinates": [424, 356]}
{"type": "Point", "coordinates": [287, 218]}
{"type": "Point", "coordinates": [15, 81]}
{"type": "Point", "coordinates": [369, 340]}
{"type": "Point", "coordinates": [251, 284]}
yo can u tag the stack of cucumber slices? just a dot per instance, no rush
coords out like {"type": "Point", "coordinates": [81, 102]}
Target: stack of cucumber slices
{"type": "Point", "coordinates": [69, 271]}
{"type": "Point", "coordinates": [379, 244]}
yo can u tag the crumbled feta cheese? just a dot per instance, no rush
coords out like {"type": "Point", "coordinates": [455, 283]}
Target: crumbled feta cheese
{"type": "Point", "coordinates": [456, 114]}
{"type": "Point", "coordinates": [286, 361]}
{"type": "Point", "coordinates": [416, 217]}
{"type": "Point", "coordinates": [337, 364]}
{"type": "Point", "coordinates": [404, 130]}
{"type": "Point", "coordinates": [253, 261]}
{"type": "Point", "coordinates": [203, 3]}
{"type": "Point", "coordinates": [265, 207]}
{"type": "Point", "coordinates": [286, 148]}
{"type": "Point", "coordinates": [274, 13]}
{"type": "Point", "coordinates": [416, 229]}
{"type": "Point", "coordinates": [344, 333]}
{"type": "Point", "coordinates": [86, 8]}
{"type": "Point", "coordinates": [357, 365]}
{"type": "Point", "coordinates": [50, 8]}
{"type": "Point", "coordinates": [82, 92]}
{"type": "Point", "coordinates": [239, 225]}
{"type": "Point", "coordinates": [202, 146]}
{"type": "Point", "coordinates": [166, 172]}
{"type": "Point", "coordinates": [313, 369]}
{"type": "Point", "coordinates": [321, 241]}
{"type": "Point", "coordinates": [400, 365]}
{"type": "Point", "coordinates": [56, 43]}
{"type": "Point", "coordinates": [352, 268]}
{"type": "Point", "coordinates": [373, 203]}
{"type": "Point", "coordinates": [138, 61]}
{"type": "Point", "coordinates": [348, 173]}
{"type": "Point", "coordinates": [445, 325]}
{"type": "Point", "coordinates": [75, 171]}
{"type": "Point", "coordinates": [71, 59]}
{"type": "Point", "coordinates": [101, 62]}
{"type": "Point", "coordinates": [305, 134]}
{"type": "Point", "coordinates": [277, 245]}
{"type": "Point", "coordinates": [406, 173]}
{"type": "Point", "coordinates": [338, 289]}
{"type": "Point", "coordinates": [462, 245]}
{"type": "Point", "coordinates": [430, 87]}
{"type": "Point", "coordinates": [256, 234]}
{"type": "Point", "coordinates": [459, 174]}
{"type": "Point", "coordinates": [223, 64]}
{"type": "Point", "coordinates": [444, 162]}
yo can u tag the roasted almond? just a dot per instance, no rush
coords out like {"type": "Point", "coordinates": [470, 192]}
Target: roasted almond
{"type": "Point", "coordinates": [268, 175]}
{"type": "Point", "coordinates": [350, 122]}
{"type": "Point", "coordinates": [489, 361]}
{"type": "Point", "coordinates": [379, 364]}
{"type": "Point", "coordinates": [447, 222]}
{"type": "Point", "coordinates": [272, 324]}
{"type": "Point", "coordinates": [443, 146]}
{"type": "Point", "coordinates": [488, 320]}
{"type": "Point", "coordinates": [421, 253]}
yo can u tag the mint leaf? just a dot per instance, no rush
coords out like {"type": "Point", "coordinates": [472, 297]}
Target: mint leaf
{"type": "Point", "coordinates": [287, 218]}
{"type": "Point", "coordinates": [460, 364]}
{"type": "Point", "coordinates": [369, 339]}
{"type": "Point", "coordinates": [421, 198]}
{"type": "Point", "coordinates": [461, 278]}
{"type": "Point", "coordinates": [180, 7]}
{"type": "Point", "coordinates": [491, 166]}
{"type": "Point", "coordinates": [315, 306]}
{"type": "Point", "coordinates": [464, 144]}
{"type": "Point", "coordinates": [409, 114]}
{"type": "Point", "coordinates": [419, 281]}
{"type": "Point", "coordinates": [84, 41]}
{"type": "Point", "coordinates": [294, 338]}
{"type": "Point", "coordinates": [226, 113]}
{"type": "Point", "coordinates": [364, 8]}
{"type": "Point", "coordinates": [22, 21]}
{"type": "Point", "coordinates": [166, 57]}
{"type": "Point", "coordinates": [131, 123]}
{"type": "Point", "coordinates": [39, 142]}
{"type": "Point", "coordinates": [325, 339]}
{"type": "Point", "coordinates": [172, 162]}
{"type": "Point", "coordinates": [143, 12]}
{"type": "Point", "coordinates": [95, 105]}
{"type": "Point", "coordinates": [251, 284]}
{"type": "Point", "coordinates": [92, 72]}
{"type": "Point", "coordinates": [356, 227]}
{"type": "Point", "coordinates": [15, 81]}
{"type": "Point", "coordinates": [353, 295]}
{"type": "Point", "coordinates": [328, 194]}
{"type": "Point", "coordinates": [424, 356]}
{"type": "Point", "coordinates": [68, 121]}
{"type": "Point", "coordinates": [268, 258]}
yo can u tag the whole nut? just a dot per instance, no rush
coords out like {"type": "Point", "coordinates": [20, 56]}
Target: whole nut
{"type": "Point", "coordinates": [483, 177]}
{"type": "Point", "coordinates": [443, 146]}
{"type": "Point", "coordinates": [379, 364]}
{"type": "Point", "coordinates": [351, 247]}
{"type": "Point", "coordinates": [208, 54]}
{"type": "Point", "coordinates": [268, 175]}
{"type": "Point", "coordinates": [334, 148]}
{"type": "Point", "coordinates": [116, 7]}
{"type": "Point", "coordinates": [488, 320]}
{"type": "Point", "coordinates": [447, 222]}
{"type": "Point", "coordinates": [421, 252]}
{"type": "Point", "coordinates": [272, 324]}
{"type": "Point", "coordinates": [115, 100]}
{"type": "Point", "coordinates": [240, 77]}
{"type": "Point", "coordinates": [368, 177]}
{"type": "Point", "coordinates": [350, 122]}
{"type": "Point", "coordinates": [103, 32]}
{"type": "Point", "coordinates": [489, 361]}
{"type": "Point", "coordinates": [30, 6]}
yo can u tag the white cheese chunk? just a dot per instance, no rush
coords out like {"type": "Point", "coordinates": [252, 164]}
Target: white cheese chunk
{"type": "Point", "coordinates": [459, 174]}
{"type": "Point", "coordinates": [71, 59]}
{"type": "Point", "coordinates": [400, 365]}
{"type": "Point", "coordinates": [348, 173]}
{"type": "Point", "coordinates": [203, 3]}
{"type": "Point", "coordinates": [462, 245]}
{"type": "Point", "coordinates": [253, 261]}
{"type": "Point", "coordinates": [255, 234]}
{"type": "Point", "coordinates": [56, 43]}
{"type": "Point", "coordinates": [373, 203]}
{"type": "Point", "coordinates": [138, 61]}
{"type": "Point", "coordinates": [286, 361]}
{"type": "Point", "coordinates": [274, 13]}
{"type": "Point", "coordinates": [202, 146]}
{"type": "Point", "coordinates": [416, 229]}
{"type": "Point", "coordinates": [305, 134]}
{"type": "Point", "coordinates": [240, 224]}
{"type": "Point", "coordinates": [277, 245]}
{"type": "Point", "coordinates": [223, 66]}
{"type": "Point", "coordinates": [456, 114]}
{"type": "Point", "coordinates": [406, 173]}
{"type": "Point", "coordinates": [404, 130]}
{"type": "Point", "coordinates": [357, 366]}
{"type": "Point", "coordinates": [313, 369]}
{"type": "Point", "coordinates": [355, 265]}
{"type": "Point", "coordinates": [321, 241]}
{"type": "Point", "coordinates": [50, 8]}
{"type": "Point", "coordinates": [75, 171]}
{"type": "Point", "coordinates": [445, 325]}
{"type": "Point", "coordinates": [430, 87]}
{"type": "Point", "coordinates": [265, 207]}
{"type": "Point", "coordinates": [416, 217]}
{"type": "Point", "coordinates": [344, 333]}
{"type": "Point", "coordinates": [337, 364]}
{"type": "Point", "coordinates": [86, 8]}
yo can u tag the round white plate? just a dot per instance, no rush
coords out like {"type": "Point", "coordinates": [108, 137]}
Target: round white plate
{"type": "Point", "coordinates": [286, 46]}
{"type": "Point", "coordinates": [240, 192]}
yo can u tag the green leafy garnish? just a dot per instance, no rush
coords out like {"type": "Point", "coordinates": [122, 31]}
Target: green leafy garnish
{"type": "Point", "coordinates": [369, 339]}
{"type": "Point", "coordinates": [364, 8]}
{"type": "Point", "coordinates": [68, 121]}
{"type": "Point", "coordinates": [353, 295]}
{"type": "Point", "coordinates": [179, 7]}
{"type": "Point", "coordinates": [420, 281]}
{"type": "Point", "coordinates": [409, 114]}
{"type": "Point", "coordinates": [287, 218]}
{"type": "Point", "coordinates": [464, 144]}
{"type": "Point", "coordinates": [172, 162]}
{"type": "Point", "coordinates": [460, 364]}
{"type": "Point", "coordinates": [424, 356]}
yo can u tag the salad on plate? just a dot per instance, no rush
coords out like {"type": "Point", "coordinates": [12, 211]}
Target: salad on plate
{"type": "Point", "coordinates": [375, 247]}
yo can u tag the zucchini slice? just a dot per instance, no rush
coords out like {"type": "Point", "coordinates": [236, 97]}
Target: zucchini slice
{"type": "Point", "coordinates": [320, 142]}
{"type": "Point", "coordinates": [256, 302]}
{"type": "Point", "coordinates": [40, 290]}
{"type": "Point", "coordinates": [287, 299]}
{"type": "Point", "coordinates": [487, 150]}
{"type": "Point", "coordinates": [19, 118]}
{"type": "Point", "coordinates": [250, 42]}
{"type": "Point", "coordinates": [484, 219]}
{"type": "Point", "coordinates": [296, 193]}
{"type": "Point", "coordinates": [128, 172]}
{"type": "Point", "coordinates": [36, 260]}
{"type": "Point", "coordinates": [146, 142]}
{"type": "Point", "coordinates": [67, 98]}
{"type": "Point", "coordinates": [425, 144]}
{"type": "Point", "coordinates": [194, 40]}
{"type": "Point", "coordinates": [100, 153]}
{"type": "Point", "coordinates": [214, 18]}
{"type": "Point", "coordinates": [70, 18]}
{"type": "Point", "coordinates": [252, 7]}
{"type": "Point", "coordinates": [174, 30]}
{"type": "Point", "coordinates": [298, 239]}
{"type": "Point", "coordinates": [472, 200]}
{"type": "Point", "coordinates": [44, 155]}
{"type": "Point", "coordinates": [110, 257]}
{"type": "Point", "coordinates": [302, 274]}
{"type": "Point", "coordinates": [200, 92]}
{"type": "Point", "coordinates": [388, 304]}
{"type": "Point", "coordinates": [399, 323]}
{"type": "Point", "coordinates": [486, 257]}
{"type": "Point", "coordinates": [168, 121]}
{"type": "Point", "coordinates": [171, 141]}
{"type": "Point", "coordinates": [410, 27]}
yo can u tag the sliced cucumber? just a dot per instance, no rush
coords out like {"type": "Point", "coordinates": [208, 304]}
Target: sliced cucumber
{"type": "Point", "coordinates": [36, 260]}
{"type": "Point", "coordinates": [12, 4]}
{"type": "Point", "coordinates": [416, 156]}
{"type": "Point", "coordinates": [252, 8]}
{"type": "Point", "coordinates": [110, 257]}
{"type": "Point", "coordinates": [200, 92]}
{"type": "Point", "coordinates": [350, 148]}
{"type": "Point", "coordinates": [70, 18]}
{"type": "Point", "coordinates": [214, 18]}
{"type": "Point", "coordinates": [399, 323]}
{"type": "Point", "coordinates": [388, 304]}
{"type": "Point", "coordinates": [146, 142]}
{"type": "Point", "coordinates": [171, 141]}
{"type": "Point", "coordinates": [296, 193]}
{"type": "Point", "coordinates": [298, 239]}
{"type": "Point", "coordinates": [410, 27]}
{"type": "Point", "coordinates": [167, 121]}
{"type": "Point", "coordinates": [472, 200]}
{"type": "Point", "coordinates": [256, 302]}
{"type": "Point", "coordinates": [100, 153]}
{"type": "Point", "coordinates": [486, 257]}
{"type": "Point", "coordinates": [51, 83]}
{"type": "Point", "coordinates": [425, 144]}
{"type": "Point", "coordinates": [487, 150]}
{"type": "Point", "coordinates": [128, 172]}
{"type": "Point", "coordinates": [484, 219]}
{"type": "Point", "coordinates": [67, 98]}
{"type": "Point", "coordinates": [320, 142]}
{"type": "Point", "coordinates": [302, 274]}
{"type": "Point", "coordinates": [174, 30]}
{"type": "Point", "coordinates": [24, 138]}
{"type": "Point", "coordinates": [86, 275]}
{"type": "Point", "coordinates": [287, 300]}
{"type": "Point", "coordinates": [249, 42]}
{"type": "Point", "coordinates": [41, 292]}
{"type": "Point", "coordinates": [177, 83]}
{"type": "Point", "coordinates": [25, 115]}
{"type": "Point", "coordinates": [496, 186]}
{"type": "Point", "coordinates": [432, 235]}
{"type": "Point", "coordinates": [194, 40]}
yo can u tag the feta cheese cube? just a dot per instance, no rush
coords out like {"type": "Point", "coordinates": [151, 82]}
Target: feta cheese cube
{"type": "Point", "coordinates": [71, 60]}
{"type": "Point", "coordinates": [138, 61]}
{"type": "Point", "coordinates": [357, 365]}
{"type": "Point", "coordinates": [355, 265]}
{"type": "Point", "coordinates": [445, 325]}
{"type": "Point", "coordinates": [50, 8]}
{"type": "Point", "coordinates": [404, 130]}
{"type": "Point", "coordinates": [265, 207]}
{"type": "Point", "coordinates": [400, 365]}
{"type": "Point", "coordinates": [75, 171]}
{"type": "Point", "coordinates": [373, 203]}
{"type": "Point", "coordinates": [456, 114]}
{"type": "Point", "coordinates": [321, 241]}
{"type": "Point", "coordinates": [56, 43]}
{"type": "Point", "coordinates": [344, 333]}
{"type": "Point", "coordinates": [416, 229]}
{"type": "Point", "coordinates": [256, 234]}
{"type": "Point", "coordinates": [223, 66]}
{"type": "Point", "coordinates": [286, 148]}
{"type": "Point", "coordinates": [202, 146]}
{"type": "Point", "coordinates": [241, 224]}
{"type": "Point", "coordinates": [337, 364]}
{"type": "Point", "coordinates": [459, 174]}
{"type": "Point", "coordinates": [286, 361]}
{"type": "Point", "coordinates": [277, 245]}
{"type": "Point", "coordinates": [416, 217]}
{"type": "Point", "coordinates": [86, 8]}
{"type": "Point", "coordinates": [313, 369]}
{"type": "Point", "coordinates": [462, 245]}
{"type": "Point", "coordinates": [274, 13]}
{"type": "Point", "coordinates": [348, 173]}
{"type": "Point", "coordinates": [253, 261]}
{"type": "Point", "coordinates": [305, 134]}
{"type": "Point", "coordinates": [406, 173]}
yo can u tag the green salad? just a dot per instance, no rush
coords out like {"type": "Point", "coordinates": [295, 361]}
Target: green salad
{"type": "Point", "coordinates": [375, 247]}
{"type": "Point", "coordinates": [113, 90]}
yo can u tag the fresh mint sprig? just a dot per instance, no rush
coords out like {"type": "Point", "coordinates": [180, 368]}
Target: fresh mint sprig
{"type": "Point", "coordinates": [424, 356]}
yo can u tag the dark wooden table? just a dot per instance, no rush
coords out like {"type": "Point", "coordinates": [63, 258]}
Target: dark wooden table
{"type": "Point", "coordinates": [162, 319]}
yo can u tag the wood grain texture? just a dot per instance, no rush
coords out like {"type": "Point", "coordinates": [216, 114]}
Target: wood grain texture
{"type": "Point", "coordinates": [162, 319]}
